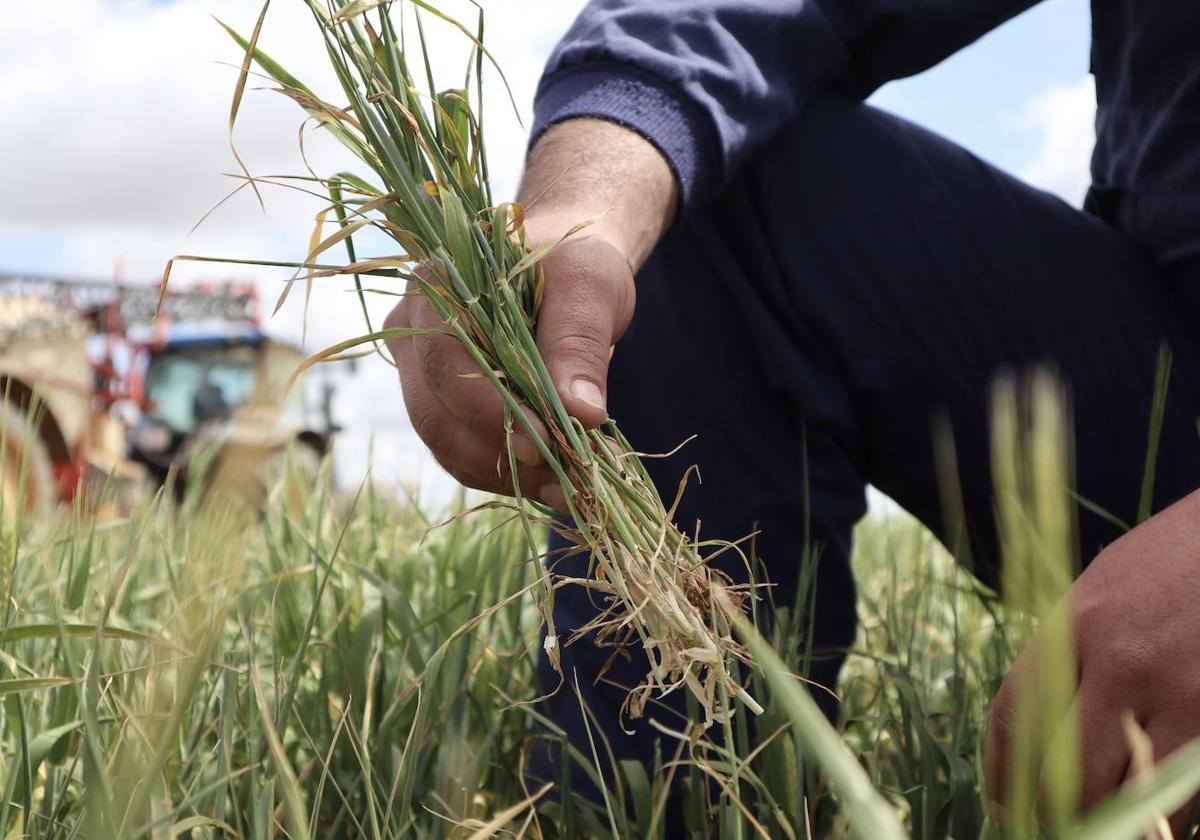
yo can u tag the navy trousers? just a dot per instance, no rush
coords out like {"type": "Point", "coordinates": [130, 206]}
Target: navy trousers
{"type": "Point", "coordinates": [859, 278]}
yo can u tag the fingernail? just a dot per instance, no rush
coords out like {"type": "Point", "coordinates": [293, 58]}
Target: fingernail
{"type": "Point", "coordinates": [525, 450]}
{"type": "Point", "coordinates": [552, 495]}
{"type": "Point", "coordinates": [588, 392]}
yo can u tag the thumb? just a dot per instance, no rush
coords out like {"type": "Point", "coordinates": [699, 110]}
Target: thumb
{"type": "Point", "coordinates": [586, 306]}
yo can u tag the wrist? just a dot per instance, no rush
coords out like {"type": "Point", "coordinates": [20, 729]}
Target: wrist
{"type": "Point", "coordinates": [586, 169]}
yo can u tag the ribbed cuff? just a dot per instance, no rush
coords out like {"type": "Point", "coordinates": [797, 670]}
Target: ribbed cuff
{"type": "Point", "coordinates": [642, 102]}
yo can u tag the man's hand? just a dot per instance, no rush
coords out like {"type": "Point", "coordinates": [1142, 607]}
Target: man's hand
{"type": "Point", "coordinates": [587, 305]}
{"type": "Point", "coordinates": [1138, 648]}
{"type": "Point", "coordinates": [580, 170]}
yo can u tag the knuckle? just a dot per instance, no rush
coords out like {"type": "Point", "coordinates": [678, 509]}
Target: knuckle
{"type": "Point", "coordinates": [428, 428]}
{"type": "Point", "coordinates": [1091, 604]}
{"type": "Point", "coordinates": [432, 359]}
{"type": "Point", "coordinates": [398, 317]}
{"type": "Point", "coordinates": [449, 445]}
{"type": "Point", "coordinates": [1003, 714]}
{"type": "Point", "coordinates": [1124, 654]}
{"type": "Point", "coordinates": [449, 457]}
{"type": "Point", "coordinates": [580, 345]}
{"type": "Point", "coordinates": [1130, 662]}
{"type": "Point", "coordinates": [480, 418]}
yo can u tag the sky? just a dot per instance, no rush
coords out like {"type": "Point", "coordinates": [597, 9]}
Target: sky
{"type": "Point", "coordinates": [116, 142]}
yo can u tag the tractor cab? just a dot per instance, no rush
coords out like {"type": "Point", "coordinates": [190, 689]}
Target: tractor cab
{"type": "Point", "coordinates": [201, 388]}
{"type": "Point", "coordinates": [173, 377]}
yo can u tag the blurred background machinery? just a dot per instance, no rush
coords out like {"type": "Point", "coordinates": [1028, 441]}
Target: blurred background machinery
{"type": "Point", "coordinates": [103, 383]}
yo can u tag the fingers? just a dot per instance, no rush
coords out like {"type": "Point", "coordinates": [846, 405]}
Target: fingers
{"type": "Point", "coordinates": [587, 304]}
{"type": "Point", "coordinates": [586, 307]}
{"type": "Point", "coordinates": [1001, 725]}
{"type": "Point", "coordinates": [455, 379]}
{"type": "Point", "coordinates": [1016, 707]}
{"type": "Point", "coordinates": [467, 441]}
{"type": "Point", "coordinates": [1105, 752]}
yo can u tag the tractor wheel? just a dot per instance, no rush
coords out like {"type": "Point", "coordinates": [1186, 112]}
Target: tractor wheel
{"type": "Point", "coordinates": [26, 476]}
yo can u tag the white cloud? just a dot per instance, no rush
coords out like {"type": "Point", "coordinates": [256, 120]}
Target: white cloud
{"type": "Point", "coordinates": [116, 138]}
{"type": "Point", "coordinates": [1065, 115]}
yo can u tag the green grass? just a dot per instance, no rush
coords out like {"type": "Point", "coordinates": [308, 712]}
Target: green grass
{"type": "Point", "coordinates": [346, 670]}
{"type": "Point", "coordinates": [342, 668]}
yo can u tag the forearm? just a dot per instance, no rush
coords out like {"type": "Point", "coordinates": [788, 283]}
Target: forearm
{"type": "Point", "coordinates": [710, 82]}
{"type": "Point", "coordinates": [583, 169]}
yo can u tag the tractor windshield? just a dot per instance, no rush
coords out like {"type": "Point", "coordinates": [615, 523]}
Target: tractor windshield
{"type": "Point", "coordinates": [188, 387]}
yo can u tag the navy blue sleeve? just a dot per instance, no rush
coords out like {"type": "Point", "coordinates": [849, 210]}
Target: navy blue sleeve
{"type": "Point", "coordinates": [709, 81]}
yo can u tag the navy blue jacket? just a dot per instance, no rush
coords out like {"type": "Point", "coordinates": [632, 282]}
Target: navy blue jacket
{"type": "Point", "coordinates": [710, 81]}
